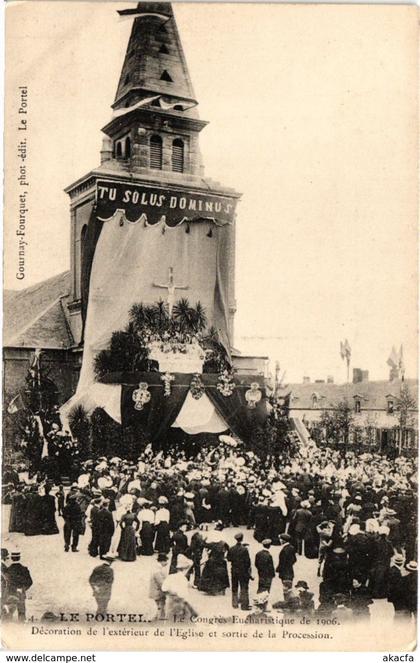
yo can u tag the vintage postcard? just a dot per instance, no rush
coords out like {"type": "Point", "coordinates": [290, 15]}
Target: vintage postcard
{"type": "Point", "coordinates": [210, 327]}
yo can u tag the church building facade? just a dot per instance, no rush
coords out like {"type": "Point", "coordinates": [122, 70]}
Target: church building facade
{"type": "Point", "coordinates": [162, 229]}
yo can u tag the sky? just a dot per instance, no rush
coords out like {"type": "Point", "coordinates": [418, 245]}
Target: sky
{"type": "Point", "coordinates": [312, 112]}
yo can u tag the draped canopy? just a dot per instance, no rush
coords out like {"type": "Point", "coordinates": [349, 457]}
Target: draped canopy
{"type": "Point", "coordinates": [212, 412]}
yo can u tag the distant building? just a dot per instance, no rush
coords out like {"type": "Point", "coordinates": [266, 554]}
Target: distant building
{"type": "Point", "coordinates": [373, 404]}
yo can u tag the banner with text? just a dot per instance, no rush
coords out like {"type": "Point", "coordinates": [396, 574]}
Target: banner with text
{"type": "Point", "coordinates": [151, 204]}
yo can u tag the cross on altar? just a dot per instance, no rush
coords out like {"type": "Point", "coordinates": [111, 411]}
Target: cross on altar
{"type": "Point", "coordinates": [171, 287]}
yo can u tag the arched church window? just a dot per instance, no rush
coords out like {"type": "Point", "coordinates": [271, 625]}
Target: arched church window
{"type": "Point", "coordinates": [166, 77]}
{"type": "Point", "coordinates": [156, 152]}
{"type": "Point", "coordinates": [178, 155]}
{"type": "Point", "coordinates": [127, 147]}
{"type": "Point", "coordinates": [118, 149]}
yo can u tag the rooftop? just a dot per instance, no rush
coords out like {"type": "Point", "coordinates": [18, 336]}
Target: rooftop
{"type": "Point", "coordinates": [37, 316]}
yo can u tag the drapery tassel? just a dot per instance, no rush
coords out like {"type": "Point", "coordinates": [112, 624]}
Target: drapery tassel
{"type": "Point", "coordinates": [163, 230]}
{"type": "Point", "coordinates": [121, 221]}
{"type": "Point", "coordinates": [210, 233]}
{"type": "Point", "coordinates": [188, 229]}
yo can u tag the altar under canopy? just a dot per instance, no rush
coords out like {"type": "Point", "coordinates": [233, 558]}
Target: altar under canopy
{"type": "Point", "coordinates": [191, 402]}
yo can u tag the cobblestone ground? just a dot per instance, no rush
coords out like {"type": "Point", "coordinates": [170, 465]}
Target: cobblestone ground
{"type": "Point", "coordinates": [60, 579]}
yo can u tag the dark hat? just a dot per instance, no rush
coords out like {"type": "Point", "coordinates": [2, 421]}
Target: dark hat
{"type": "Point", "coordinates": [162, 557]}
{"type": "Point", "coordinates": [302, 583]}
{"type": "Point", "coordinates": [266, 542]}
{"type": "Point", "coordinates": [15, 556]}
{"type": "Point", "coordinates": [285, 537]}
{"type": "Point", "coordinates": [239, 536]}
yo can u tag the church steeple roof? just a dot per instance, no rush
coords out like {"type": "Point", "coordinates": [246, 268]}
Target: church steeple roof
{"type": "Point", "coordinates": [154, 66]}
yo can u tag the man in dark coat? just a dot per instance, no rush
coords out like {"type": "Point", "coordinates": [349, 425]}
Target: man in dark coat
{"type": "Point", "coordinates": [398, 586]}
{"type": "Point", "coordinates": [94, 544]}
{"type": "Point", "coordinates": [412, 587]}
{"type": "Point", "coordinates": [262, 525]}
{"type": "Point", "coordinates": [72, 515]}
{"type": "Point", "coordinates": [105, 528]}
{"type": "Point", "coordinates": [179, 545]}
{"type": "Point", "coordinates": [301, 525]}
{"type": "Point", "coordinates": [223, 499]}
{"type": "Point", "coordinates": [239, 558]}
{"type": "Point", "coordinates": [359, 549]}
{"type": "Point", "coordinates": [197, 545]}
{"type": "Point", "coordinates": [265, 567]}
{"type": "Point", "coordinates": [287, 559]}
{"type": "Point", "coordinates": [19, 581]}
{"type": "Point", "coordinates": [101, 580]}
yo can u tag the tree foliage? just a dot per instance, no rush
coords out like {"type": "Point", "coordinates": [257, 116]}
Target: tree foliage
{"type": "Point", "coordinates": [338, 422]}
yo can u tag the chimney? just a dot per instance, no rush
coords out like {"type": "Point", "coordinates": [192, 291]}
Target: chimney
{"type": "Point", "coordinates": [357, 375]}
{"type": "Point", "coordinates": [330, 379]}
{"type": "Point", "coordinates": [306, 379]}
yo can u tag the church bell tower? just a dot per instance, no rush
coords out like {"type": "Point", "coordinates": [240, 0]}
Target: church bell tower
{"type": "Point", "coordinates": [150, 183]}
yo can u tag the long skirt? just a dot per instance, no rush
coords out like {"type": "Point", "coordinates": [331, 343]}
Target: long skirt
{"type": "Point", "coordinates": [17, 514]}
{"type": "Point", "coordinates": [146, 536]}
{"type": "Point", "coordinates": [214, 578]}
{"type": "Point", "coordinates": [163, 538]}
{"type": "Point", "coordinates": [127, 545]}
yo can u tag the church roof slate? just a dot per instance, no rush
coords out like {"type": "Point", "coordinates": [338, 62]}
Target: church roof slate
{"type": "Point", "coordinates": [36, 316]}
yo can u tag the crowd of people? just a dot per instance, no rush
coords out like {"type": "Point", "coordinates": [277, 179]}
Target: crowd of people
{"type": "Point", "coordinates": [354, 516]}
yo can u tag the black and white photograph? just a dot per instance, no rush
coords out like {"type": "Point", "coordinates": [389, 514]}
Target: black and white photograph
{"type": "Point", "coordinates": [210, 393]}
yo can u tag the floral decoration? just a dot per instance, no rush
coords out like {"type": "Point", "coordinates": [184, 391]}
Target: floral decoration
{"type": "Point", "coordinates": [196, 387]}
{"type": "Point", "coordinates": [225, 384]}
{"type": "Point", "coordinates": [167, 378]}
{"type": "Point", "coordinates": [151, 329]}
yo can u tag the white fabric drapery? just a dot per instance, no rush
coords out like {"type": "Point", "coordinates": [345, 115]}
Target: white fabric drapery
{"type": "Point", "coordinates": [199, 416]}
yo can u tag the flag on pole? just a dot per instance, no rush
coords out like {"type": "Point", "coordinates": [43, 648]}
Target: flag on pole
{"type": "Point", "coordinates": [393, 359]}
{"type": "Point", "coordinates": [401, 364]}
{"type": "Point", "coordinates": [16, 404]}
{"type": "Point", "coordinates": [345, 350]}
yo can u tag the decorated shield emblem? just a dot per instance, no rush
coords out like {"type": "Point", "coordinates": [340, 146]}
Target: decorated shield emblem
{"type": "Point", "coordinates": [141, 396]}
{"type": "Point", "coordinates": [253, 395]}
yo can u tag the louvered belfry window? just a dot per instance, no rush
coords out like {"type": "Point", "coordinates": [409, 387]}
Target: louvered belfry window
{"type": "Point", "coordinates": [178, 156]}
{"type": "Point", "coordinates": [156, 152]}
